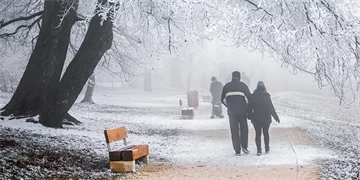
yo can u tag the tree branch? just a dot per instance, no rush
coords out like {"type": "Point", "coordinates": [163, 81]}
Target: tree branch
{"type": "Point", "coordinates": [32, 24]}
{"type": "Point", "coordinates": [21, 19]}
{"type": "Point", "coordinates": [286, 61]}
{"type": "Point", "coordinates": [169, 28]}
{"type": "Point", "coordinates": [337, 17]}
{"type": "Point", "coordinates": [311, 21]}
{"type": "Point", "coordinates": [80, 17]}
{"type": "Point", "coordinates": [21, 27]}
{"type": "Point", "coordinates": [257, 7]}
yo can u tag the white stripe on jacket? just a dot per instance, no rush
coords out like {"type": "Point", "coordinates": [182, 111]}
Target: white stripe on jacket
{"type": "Point", "coordinates": [236, 93]}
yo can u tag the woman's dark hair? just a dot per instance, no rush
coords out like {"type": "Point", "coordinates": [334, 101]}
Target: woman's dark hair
{"type": "Point", "coordinates": [260, 87]}
{"type": "Point", "coordinates": [261, 90]}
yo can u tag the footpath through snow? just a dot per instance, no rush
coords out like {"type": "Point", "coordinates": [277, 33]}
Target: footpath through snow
{"type": "Point", "coordinates": [204, 151]}
{"type": "Point", "coordinates": [302, 146]}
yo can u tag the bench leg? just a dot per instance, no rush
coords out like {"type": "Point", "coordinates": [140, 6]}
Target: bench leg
{"type": "Point", "coordinates": [122, 166]}
{"type": "Point", "coordinates": [144, 159]}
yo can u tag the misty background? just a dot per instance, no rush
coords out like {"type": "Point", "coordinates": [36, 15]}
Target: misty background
{"type": "Point", "coordinates": [192, 68]}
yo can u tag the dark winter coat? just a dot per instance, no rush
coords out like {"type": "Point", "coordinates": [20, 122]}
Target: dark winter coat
{"type": "Point", "coordinates": [261, 108]}
{"type": "Point", "coordinates": [216, 89]}
{"type": "Point", "coordinates": [235, 96]}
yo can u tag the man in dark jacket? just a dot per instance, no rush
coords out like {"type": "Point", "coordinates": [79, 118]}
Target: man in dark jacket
{"type": "Point", "coordinates": [215, 89]}
{"type": "Point", "coordinates": [235, 96]}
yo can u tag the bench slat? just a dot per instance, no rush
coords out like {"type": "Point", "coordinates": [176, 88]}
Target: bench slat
{"type": "Point", "coordinates": [135, 152]}
{"type": "Point", "coordinates": [112, 135]}
{"type": "Point", "coordinates": [115, 155]}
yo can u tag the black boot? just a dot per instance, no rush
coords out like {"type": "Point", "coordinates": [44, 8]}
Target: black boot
{"type": "Point", "coordinates": [245, 150]}
{"type": "Point", "coordinates": [258, 153]}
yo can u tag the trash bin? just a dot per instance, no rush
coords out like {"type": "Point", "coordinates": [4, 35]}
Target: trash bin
{"type": "Point", "coordinates": [193, 99]}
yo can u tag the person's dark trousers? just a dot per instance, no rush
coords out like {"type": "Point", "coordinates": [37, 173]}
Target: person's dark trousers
{"type": "Point", "coordinates": [264, 127]}
{"type": "Point", "coordinates": [239, 122]}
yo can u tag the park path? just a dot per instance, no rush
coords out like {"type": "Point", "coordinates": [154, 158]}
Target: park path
{"type": "Point", "coordinates": [292, 164]}
{"type": "Point", "coordinates": [204, 151]}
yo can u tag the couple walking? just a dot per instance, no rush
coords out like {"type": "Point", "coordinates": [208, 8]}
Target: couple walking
{"type": "Point", "coordinates": [243, 105]}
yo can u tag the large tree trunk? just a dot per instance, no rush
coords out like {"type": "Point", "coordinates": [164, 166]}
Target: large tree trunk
{"type": "Point", "coordinates": [46, 62]}
{"type": "Point", "coordinates": [97, 41]}
{"type": "Point", "coordinates": [89, 90]}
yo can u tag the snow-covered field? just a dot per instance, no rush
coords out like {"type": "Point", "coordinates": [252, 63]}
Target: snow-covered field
{"type": "Point", "coordinates": [331, 125]}
{"type": "Point", "coordinates": [153, 118]}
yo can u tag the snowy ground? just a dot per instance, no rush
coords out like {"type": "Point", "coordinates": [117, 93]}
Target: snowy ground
{"type": "Point", "coordinates": [330, 125]}
{"type": "Point", "coordinates": [153, 118]}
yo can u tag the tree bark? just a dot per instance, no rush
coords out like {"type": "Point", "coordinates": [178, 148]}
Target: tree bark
{"type": "Point", "coordinates": [89, 90]}
{"type": "Point", "coordinates": [97, 41]}
{"type": "Point", "coordinates": [3, 82]}
{"type": "Point", "coordinates": [46, 62]}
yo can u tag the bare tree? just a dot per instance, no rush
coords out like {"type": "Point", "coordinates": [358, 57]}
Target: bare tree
{"type": "Point", "coordinates": [318, 37]}
{"type": "Point", "coordinates": [51, 98]}
{"type": "Point", "coordinates": [39, 86]}
{"type": "Point", "coordinates": [46, 61]}
{"type": "Point", "coordinates": [97, 41]}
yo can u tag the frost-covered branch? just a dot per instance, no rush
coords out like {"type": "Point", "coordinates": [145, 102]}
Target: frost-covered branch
{"type": "Point", "coordinates": [28, 27]}
{"type": "Point", "coordinates": [21, 19]}
{"type": "Point", "coordinates": [258, 8]}
{"type": "Point", "coordinates": [317, 37]}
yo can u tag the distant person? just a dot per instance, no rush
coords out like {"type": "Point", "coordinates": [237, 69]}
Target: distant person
{"type": "Point", "coordinates": [245, 79]}
{"type": "Point", "coordinates": [261, 110]}
{"type": "Point", "coordinates": [235, 96]}
{"type": "Point", "coordinates": [215, 89]}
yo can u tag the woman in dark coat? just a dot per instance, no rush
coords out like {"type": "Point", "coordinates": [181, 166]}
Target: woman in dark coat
{"type": "Point", "coordinates": [260, 111]}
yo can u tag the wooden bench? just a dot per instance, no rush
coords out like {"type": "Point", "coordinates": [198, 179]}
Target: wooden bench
{"type": "Point", "coordinates": [123, 160]}
{"type": "Point", "coordinates": [187, 113]}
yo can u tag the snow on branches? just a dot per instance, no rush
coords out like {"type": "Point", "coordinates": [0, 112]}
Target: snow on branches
{"type": "Point", "coordinates": [318, 37]}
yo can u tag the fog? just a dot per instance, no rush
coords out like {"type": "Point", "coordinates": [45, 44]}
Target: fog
{"type": "Point", "coordinates": [192, 67]}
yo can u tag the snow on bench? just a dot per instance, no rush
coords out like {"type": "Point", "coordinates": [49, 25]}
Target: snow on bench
{"type": "Point", "coordinates": [186, 113]}
{"type": "Point", "coordinates": [123, 160]}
